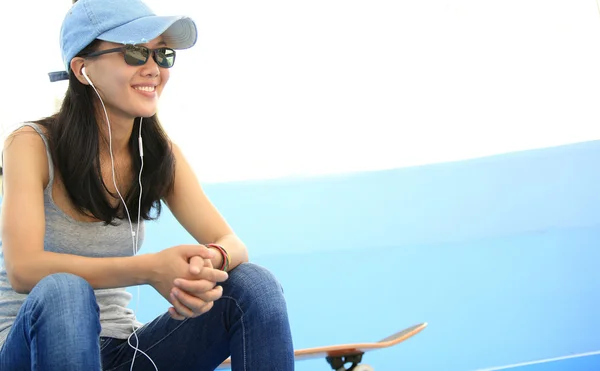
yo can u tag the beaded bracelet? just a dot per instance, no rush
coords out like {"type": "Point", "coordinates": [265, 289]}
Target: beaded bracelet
{"type": "Point", "coordinates": [224, 254]}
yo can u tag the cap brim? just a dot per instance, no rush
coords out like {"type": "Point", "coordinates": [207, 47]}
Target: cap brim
{"type": "Point", "coordinates": [179, 32]}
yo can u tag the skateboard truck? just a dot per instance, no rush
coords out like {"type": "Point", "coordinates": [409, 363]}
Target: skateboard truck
{"type": "Point", "coordinates": [338, 362]}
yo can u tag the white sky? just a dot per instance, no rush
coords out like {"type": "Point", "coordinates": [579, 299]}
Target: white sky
{"type": "Point", "coordinates": [282, 88]}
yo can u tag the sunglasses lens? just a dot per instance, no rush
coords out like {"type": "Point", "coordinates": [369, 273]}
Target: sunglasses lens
{"type": "Point", "coordinates": [136, 55]}
{"type": "Point", "coordinates": [165, 57]}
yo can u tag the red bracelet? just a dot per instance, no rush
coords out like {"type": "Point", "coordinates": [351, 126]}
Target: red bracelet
{"type": "Point", "coordinates": [224, 254]}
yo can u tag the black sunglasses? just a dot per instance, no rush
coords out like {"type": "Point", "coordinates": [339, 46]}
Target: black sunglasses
{"type": "Point", "coordinates": [137, 55]}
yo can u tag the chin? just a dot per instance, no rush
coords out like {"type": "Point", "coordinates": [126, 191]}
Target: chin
{"type": "Point", "coordinates": [144, 113]}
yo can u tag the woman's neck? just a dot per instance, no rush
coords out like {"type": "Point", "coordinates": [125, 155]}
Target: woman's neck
{"type": "Point", "coordinates": [119, 135]}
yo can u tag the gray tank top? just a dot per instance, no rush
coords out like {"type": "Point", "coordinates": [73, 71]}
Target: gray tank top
{"type": "Point", "coordinates": [91, 239]}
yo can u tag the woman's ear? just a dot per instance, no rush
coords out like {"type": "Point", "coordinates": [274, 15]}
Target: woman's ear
{"type": "Point", "coordinates": [77, 65]}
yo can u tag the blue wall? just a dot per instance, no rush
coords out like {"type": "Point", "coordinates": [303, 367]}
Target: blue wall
{"type": "Point", "coordinates": [497, 254]}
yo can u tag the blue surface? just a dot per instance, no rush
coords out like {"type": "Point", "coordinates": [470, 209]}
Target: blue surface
{"type": "Point", "coordinates": [572, 364]}
{"type": "Point", "coordinates": [498, 255]}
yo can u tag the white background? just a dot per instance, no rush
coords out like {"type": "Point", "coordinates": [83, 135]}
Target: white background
{"type": "Point", "coordinates": [293, 88]}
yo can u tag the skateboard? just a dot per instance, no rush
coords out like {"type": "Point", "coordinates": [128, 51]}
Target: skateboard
{"type": "Point", "coordinates": [339, 355]}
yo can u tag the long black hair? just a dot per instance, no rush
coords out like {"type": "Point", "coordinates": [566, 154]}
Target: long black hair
{"type": "Point", "coordinates": [74, 139]}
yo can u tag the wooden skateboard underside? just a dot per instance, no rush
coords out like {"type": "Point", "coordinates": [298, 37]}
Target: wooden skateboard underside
{"type": "Point", "coordinates": [342, 350]}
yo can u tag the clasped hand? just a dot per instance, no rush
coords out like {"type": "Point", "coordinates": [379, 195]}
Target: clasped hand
{"type": "Point", "coordinates": [187, 279]}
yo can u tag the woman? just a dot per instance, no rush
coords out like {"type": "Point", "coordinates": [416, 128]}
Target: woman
{"type": "Point", "coordinates": [77, 188]}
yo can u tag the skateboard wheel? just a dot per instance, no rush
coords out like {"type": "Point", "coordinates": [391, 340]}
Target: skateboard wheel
{"type": "Point", "coordinates": [364, 368]}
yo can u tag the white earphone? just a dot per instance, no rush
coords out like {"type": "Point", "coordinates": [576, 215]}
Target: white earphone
{"type": "Point", "coordinates": [134, 235]}
{"type": "Point", "coordinates": [86, 76]}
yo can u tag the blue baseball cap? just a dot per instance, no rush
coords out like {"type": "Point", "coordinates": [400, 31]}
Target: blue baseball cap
{"type": "Point", "coordinates": [121, 22]}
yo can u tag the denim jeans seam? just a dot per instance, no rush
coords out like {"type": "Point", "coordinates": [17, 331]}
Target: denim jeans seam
{"type": "Point", "coordinates": [243, 327]}
{"type": "Point", "coordinates": [150, 347]}
{"type": "Point", "coordinates": [29, 314]}
{"type": "Point", "coordinates": [106, 343]}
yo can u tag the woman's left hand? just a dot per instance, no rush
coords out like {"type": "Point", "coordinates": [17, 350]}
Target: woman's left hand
{"type": "Point", "coordinates": [192, 298]}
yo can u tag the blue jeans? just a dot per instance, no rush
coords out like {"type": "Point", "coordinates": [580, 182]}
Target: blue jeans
{"type": "Point", "coordinates": [58, 328]}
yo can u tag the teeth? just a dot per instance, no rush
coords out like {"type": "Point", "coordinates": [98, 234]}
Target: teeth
{"type": "Point", "coordinates": [145, 88]}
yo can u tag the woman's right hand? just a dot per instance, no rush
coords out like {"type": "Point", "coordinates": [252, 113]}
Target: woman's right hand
{"type": "Point", "coordinates": [174, 262]}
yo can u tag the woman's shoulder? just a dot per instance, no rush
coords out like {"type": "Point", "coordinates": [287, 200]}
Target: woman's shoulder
{"type": "Point", "coordinates": [26, 147]}
{"type": "Point", "coordinates": [29, 137]}
{"type": "Point", "coordinates": [26, 132]}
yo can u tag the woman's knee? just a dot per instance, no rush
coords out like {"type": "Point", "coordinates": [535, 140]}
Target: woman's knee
{"type": "Point", "coordinates": [254, 276]}
{"type": "Point", "coordinates": [255, 286]}
{"type": "Point", "coordinates": [64, 293]}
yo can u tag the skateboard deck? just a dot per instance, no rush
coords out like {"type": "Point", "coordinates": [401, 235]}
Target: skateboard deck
{"type": "Point", "coordinates": [339, 355]}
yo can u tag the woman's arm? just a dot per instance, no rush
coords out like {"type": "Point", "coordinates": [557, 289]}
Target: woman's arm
{"type": "Point", "coordinates": [192, 208]}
